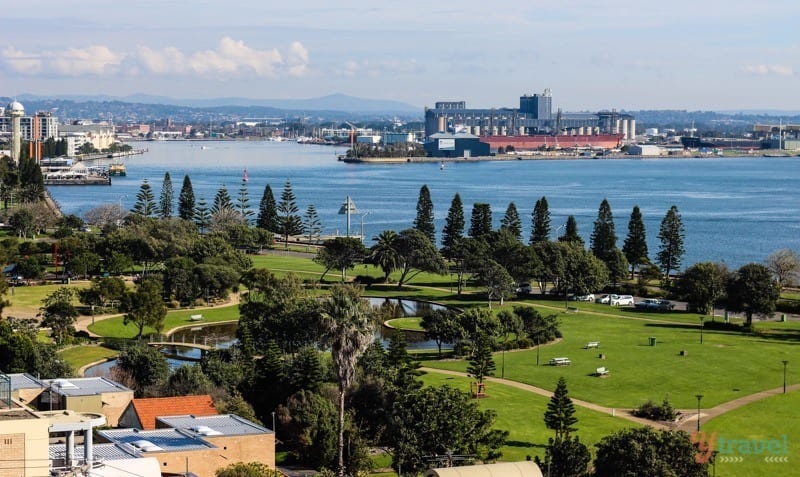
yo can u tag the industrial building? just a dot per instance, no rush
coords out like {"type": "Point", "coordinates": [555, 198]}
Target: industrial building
{"type": "Point", "coordinates": [534, 118]}
{"type": "Point", "coordinates": [446, 145]}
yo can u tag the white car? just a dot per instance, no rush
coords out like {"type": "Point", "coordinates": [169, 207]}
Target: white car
{"type": "Point", "coordinates": [589, 297]}
{"type": "Point", "coordinates": [621, 300]}
{"type": "Point", "coordinates": [604, 299]}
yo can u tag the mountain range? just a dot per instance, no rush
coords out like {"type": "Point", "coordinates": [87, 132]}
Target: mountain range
{"type": "Point", "coordinates": [332, 102]}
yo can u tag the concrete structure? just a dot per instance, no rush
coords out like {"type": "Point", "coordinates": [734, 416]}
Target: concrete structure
{"type": "Point", "coordinates": [505, 469]}
{"type": "Point", "coordinates": [100, 135]}
{"type": "Point", "coordinates": [533, 117]}
{"type": "Point", "coordinates": [371, 139]}
{"type": "Point", "coordinates": [644, 150]}
{"type": "Point", "coordinates": [110, 460]}
{"type": "Point", "coordinates": [15, 111]}
{"type": "Point", "coordinates": [200, 445]}
{"type": "Point", "coordinates": [142, 413]}
{"type": "Point", "coordinates": [95, 395]}
{"type": "Point", "coordinates": [397, 138]}
{"type": "Point", "coordinates": [448, 145]}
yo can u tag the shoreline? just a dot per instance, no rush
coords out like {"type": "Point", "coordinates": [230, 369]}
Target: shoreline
{"type": "Point", "coordinates": [542, 157]}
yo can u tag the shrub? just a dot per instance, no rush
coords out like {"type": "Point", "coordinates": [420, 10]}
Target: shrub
{"type": "Point", "coordinates": [654, 412]}
{"type": "Point", "coordinates": [788, 306]}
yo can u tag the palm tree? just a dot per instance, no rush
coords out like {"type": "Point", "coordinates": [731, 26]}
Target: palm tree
{"type": "Point", "coordinates": [348, 330]}
{"type": "Point", "coordinates": [384, 253]}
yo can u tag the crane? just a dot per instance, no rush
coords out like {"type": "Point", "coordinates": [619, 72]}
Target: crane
{"type": "Point", "coordinates": [353, 129]}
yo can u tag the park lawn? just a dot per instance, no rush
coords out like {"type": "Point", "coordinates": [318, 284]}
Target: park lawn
{"type": "Point", "coordinates": [727, 366]}
{"type": "Point", "coordinates": [767, 419]}
{"type": "Point", "coordinates": [81, 355]}
{"type": "Point", "coordinates": [521, 413]}
{"type": "Point", "coordinates": [114, 327]}
{"type": "Point", "coordinates": [413, 323]}
{"type": "Point", "coordinates": [26, 301]}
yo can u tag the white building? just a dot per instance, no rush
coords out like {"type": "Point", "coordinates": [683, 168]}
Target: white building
{"type": "Point", "coordinates": [100, 135]}
{"type": "Point", "coordinates": [368, 139]}
{"type": "Point", "coordinates": [644, 150]}
{"type": "Point", "coordinates": [397, 138]}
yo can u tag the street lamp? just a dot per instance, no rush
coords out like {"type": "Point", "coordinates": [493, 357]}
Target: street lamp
{"type": "Point", "coordinates": [785, 362]}
{"type": "Point", "coordinates": [273, 422]}
{"type": "Point", "coordinates": [699, 397]}
{"type": "Point", "coordinates": [702, 325]}
{"type": "Point", "coordinates": [362, 224]}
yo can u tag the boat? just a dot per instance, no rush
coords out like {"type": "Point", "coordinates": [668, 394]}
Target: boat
{"type": "Point", "coordinates": [117, 169]}
{"type": "Point", "coordinates": [244, 177]}
{"type": "Point", "coordinates": [441, 166]}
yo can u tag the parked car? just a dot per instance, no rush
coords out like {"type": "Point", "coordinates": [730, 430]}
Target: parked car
{"type": "Point", "coordinates": [621, 300]}
{"type": "Point", "coordinates": [589, 297]}
{"type": "Point", "coordinates": [604, 299]}
{"type": "Point", "coordinates": [524, 289]}
{"type": "Point", "coordinates": [665, 305]}
{"type": "Point", "coordinates": [648, 304]}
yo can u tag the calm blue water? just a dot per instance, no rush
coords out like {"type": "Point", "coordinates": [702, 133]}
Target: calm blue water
{"type": "Point", "coordinates": [736, 210]}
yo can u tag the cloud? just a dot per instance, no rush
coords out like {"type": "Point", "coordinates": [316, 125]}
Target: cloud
{"type": "Point", "coordinates": [374, 69]}
{"type": "Point", "coordinates": [764, 70]}
{"type": "Point", "coordinates": [229, 59]}
{"type": "Point", "coordinates": [92, 60]}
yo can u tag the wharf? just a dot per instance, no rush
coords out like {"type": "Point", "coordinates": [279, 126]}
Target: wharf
{"type": "Point", "coordinates": [89, 180]}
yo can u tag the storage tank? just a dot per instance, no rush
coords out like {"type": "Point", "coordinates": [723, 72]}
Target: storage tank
{"type": "Point", "coordinates": [632, 130]}
{"type": "Point", "coordinates": [623, 128]}
{"type": "Point", "coordinates": [616, 126]}
{"type": "Point", "coordinates": [476, 130]}
{"type": "Point", "coordinates": [503, 131]}
{"type": "Point", "coordinates": [441, 123]}
{"type": "Point", "coordinates": [581, 131]}
{"type": "Point", "coordinates": [494, 130]}
{"type": "Point", "coordinates": [521, 131]}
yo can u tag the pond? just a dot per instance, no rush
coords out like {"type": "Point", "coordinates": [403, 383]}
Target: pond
{"type": "Point", "coordinates": [223, 335]}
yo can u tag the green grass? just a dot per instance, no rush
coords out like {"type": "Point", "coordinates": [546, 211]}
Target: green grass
{"type": "Point", "coordinates": [114, 327]}
{"type": "Point", "coordinates": [26, 301]}
{"type": "Point", "coordinates": [411, 323]}
{"type": "Point", "coordinates": [768, 419]}
{"type": "Point", "coordinates": [521, 413]}
{"type": "Point", "coordinates": [727, 366]}
{"type": "Point", "coordinates": [81, 355]}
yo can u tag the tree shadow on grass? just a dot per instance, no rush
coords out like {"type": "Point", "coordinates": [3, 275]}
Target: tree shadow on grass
{"type": "Point", "coordinates": [523, 444]}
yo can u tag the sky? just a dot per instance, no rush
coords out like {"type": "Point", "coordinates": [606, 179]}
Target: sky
{"type": "Point", "coordinates": [677, 54]}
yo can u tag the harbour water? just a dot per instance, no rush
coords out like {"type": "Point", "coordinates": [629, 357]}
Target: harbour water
{"type": "Point", "coordinates": [735, 210]}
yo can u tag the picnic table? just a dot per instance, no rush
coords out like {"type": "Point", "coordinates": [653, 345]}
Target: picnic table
{"type": "Point", "coordinates": [560, 361]}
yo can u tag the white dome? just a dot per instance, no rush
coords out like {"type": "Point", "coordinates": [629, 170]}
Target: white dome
{"type": "Point", "coordinates": [15, 106]}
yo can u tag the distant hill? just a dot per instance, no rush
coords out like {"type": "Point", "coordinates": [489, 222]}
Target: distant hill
{"type": "Point", "coordinates": [333, 102]}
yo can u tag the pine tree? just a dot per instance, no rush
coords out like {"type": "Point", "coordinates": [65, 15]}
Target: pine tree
{"type": "Point", "coordinates": [512, 222]}
{"type": "Point", "coordinates": [480, 224]}
{"type": "Point", "coordinates": [243, 202]}
{"type": "Point", "coordinates": [145, 201]}
{"type": "Point", "coordinates": [306, 370]}
{"type": "Point", "coordinates": [186, 200]}
{"type": "Point", "coordinates": [560, 413]}
{"type": "Point", "coordinates": [268, 211]}
{"type": "Point", "coordinates": [482, 362]}
{"type": "Point", "coordinates": [289, 221]}
{"type": "Point", "coordinates": [166, 198]}
{"type": "Point", "coordinates": [403, 370]}
{"type": "Point", "coordinates": [604, 239]}
{"type": "Point", "coordinates": [453, 230]}
{"type": "Point", "coordinates": [312, 227]}
{"type": "Point", "coordinates": [424, 220]}
{"type": "Point", "coordinates": [540, 227]}
{"type": "Point", "coordinates": [222, 201]}
{"type": "Point", "coordinates": [571, 232]}
{"type": "Point", "coordinates": [202, 216]}
{"type": "Point", "coordinates": [671, 235]}
{"type": "Point", "coordinates": [635, 246]}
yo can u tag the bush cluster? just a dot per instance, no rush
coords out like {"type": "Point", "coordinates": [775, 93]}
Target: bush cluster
{"type": "Point", "coordinates": [655, 412]}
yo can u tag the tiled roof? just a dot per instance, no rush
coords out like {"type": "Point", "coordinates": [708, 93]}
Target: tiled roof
{"type": "Point", "coordinates": [149, 408]}
{"type": "Point", "coordinates": [209, 426]}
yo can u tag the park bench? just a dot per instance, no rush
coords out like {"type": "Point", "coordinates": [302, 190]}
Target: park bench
{"type": "Point", "coordinates": [196, 317]}
{"type": "Point", "coordinates": [601, 371]}
{"type": "Point", "coordinates": [592, 344]}
{"type": "Point", "coordinates": [572, 309]}
{"type": "Point", "coordinates": [560, 361]}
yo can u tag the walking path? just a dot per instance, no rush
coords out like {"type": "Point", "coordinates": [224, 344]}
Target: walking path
{"type": "Point", "coordinates": [688, 423]}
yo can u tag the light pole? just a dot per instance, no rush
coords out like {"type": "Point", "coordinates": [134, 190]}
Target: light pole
{"type": "Point", "coordinates": [702, 325]}
{"type": "Point", "coordinates": [362, 224]}
{"type": "Point", "coordinates": [273, 422]}
{"type": "Point", "coordinates": [785, 362]}
{"type": "Point", "coordinates": [699, 397]}
{"type": "Point", "coordinates": [348, 208]}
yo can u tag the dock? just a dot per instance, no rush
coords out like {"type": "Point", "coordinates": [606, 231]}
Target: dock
{"type": "Point", "coordinates": [88, 180]}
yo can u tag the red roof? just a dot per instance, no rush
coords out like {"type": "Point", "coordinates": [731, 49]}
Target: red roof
{"type": "Point", "coordinates": [147, 409]}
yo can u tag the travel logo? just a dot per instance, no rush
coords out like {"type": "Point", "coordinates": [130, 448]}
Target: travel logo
{"type": "Point", "coordinates": [713, 445]}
